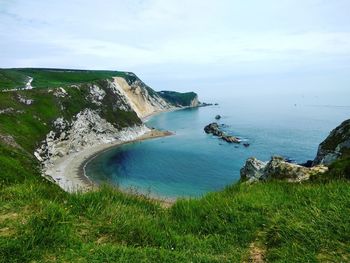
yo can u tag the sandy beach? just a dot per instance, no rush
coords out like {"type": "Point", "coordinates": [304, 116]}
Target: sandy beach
{"type": "Point", "coordinates": [69, 173]}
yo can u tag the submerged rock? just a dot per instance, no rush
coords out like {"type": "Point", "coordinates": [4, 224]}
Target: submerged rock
{"type": "Point", "coordinates": [217, 117]}
{"type": "Point", "coordinates": [278, 168]}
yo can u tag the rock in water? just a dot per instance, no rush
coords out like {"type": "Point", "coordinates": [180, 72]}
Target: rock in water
{"type": "Point", "coordinates": [230, 139]}
{"type": "Point", "coordinates": [217, 117]}
{"type": "Point", "coordinates": [213, 128]}
{"type": "Point", "coordinates": [278, 168]}
{"type": "Point", "coordinates": [335, 146]}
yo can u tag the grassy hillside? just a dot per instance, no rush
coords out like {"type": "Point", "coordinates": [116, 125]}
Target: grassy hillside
{"type": "Point", "coordinates": [283, 222]}
{"type": "Point", "coordinates": [44, 78]}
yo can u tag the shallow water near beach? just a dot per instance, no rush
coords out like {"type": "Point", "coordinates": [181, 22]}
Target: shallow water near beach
{"type": "Point", "coordinates": [192, 163]}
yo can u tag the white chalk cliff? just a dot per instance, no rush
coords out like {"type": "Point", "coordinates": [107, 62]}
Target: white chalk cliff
{"type": "Point", "coordinates": [140, 99]}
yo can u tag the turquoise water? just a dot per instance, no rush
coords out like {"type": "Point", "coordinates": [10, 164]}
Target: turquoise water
{"type": "Point", "coordinates": [192, 163]}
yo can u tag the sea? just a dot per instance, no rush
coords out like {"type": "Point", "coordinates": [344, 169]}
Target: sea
{"type": "Point", "coordinates": [191, 163]}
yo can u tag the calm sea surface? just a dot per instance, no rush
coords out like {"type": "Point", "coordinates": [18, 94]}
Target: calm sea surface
{"type": "Point", "coordinates": [192, 163]}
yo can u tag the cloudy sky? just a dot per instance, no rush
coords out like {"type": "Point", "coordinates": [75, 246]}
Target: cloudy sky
{"type": "Point", "coordinates": [196, 45]}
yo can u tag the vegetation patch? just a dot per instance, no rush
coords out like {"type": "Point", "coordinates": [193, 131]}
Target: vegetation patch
{"type": "Point", "coordinates": [177, 98]}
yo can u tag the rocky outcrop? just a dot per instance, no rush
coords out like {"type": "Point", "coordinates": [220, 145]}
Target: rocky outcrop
{"type": "Point", "coordinates": [96, 95]}
{"type": "Point", "coordinates": [60, 93]}
{"type": "Point", "coordinates": [278, 168]}
{"type": "Point", "coordinates": [25, 100]}
{"type": "Point", "coordinates": [214, 128]}
{"type": "Point", "coordinates": [335, 146]}
{"type": "Point", "coordinates": [253, 170]}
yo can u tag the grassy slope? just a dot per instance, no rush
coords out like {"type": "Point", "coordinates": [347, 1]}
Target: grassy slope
{"type": "Point", "coordinates": [289, 222]}
{"type": "Point", "coordinates": [44, 78]}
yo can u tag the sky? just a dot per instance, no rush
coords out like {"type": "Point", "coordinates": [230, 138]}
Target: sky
{"type": "Point", "coordinates": [235, 47]}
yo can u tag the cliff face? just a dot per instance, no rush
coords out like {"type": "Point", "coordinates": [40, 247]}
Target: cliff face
{"type": "Point", "coordinates": [142, 100]}
{"type": "Point", "coordinates": [335, 146]}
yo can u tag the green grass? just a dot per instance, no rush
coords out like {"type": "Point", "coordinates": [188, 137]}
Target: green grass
{"type": "Point", "coordinates": [10, 79]}
{"type": "Point", "coordinates": [51, 78]}
{"type": "Point", "coordinates": [39, 222]}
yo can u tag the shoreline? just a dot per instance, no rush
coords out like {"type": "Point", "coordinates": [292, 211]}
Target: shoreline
{"type": "Point", "coordinates": [69, 173]}
{"type": "Point", "coordinates": [153, 134]}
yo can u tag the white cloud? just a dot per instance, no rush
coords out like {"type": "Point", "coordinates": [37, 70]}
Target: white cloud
{"type": "Point", "coordinates": [253, 36]}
